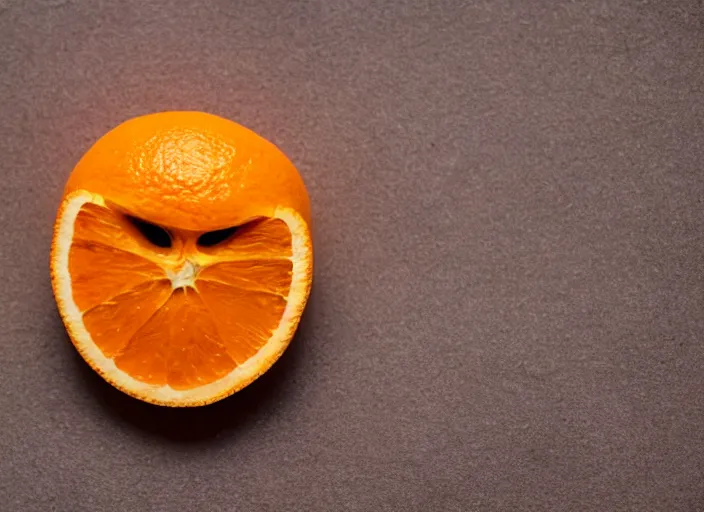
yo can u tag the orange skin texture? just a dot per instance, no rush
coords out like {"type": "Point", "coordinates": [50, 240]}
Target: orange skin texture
{"type": "Point", "coordinates": [190, 170]}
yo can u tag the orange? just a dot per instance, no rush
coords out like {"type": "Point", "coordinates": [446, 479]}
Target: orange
{"type": "Point", "coordinates": [182, 257]}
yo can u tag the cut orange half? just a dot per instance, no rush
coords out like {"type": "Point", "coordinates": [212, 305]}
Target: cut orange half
{"type": "Point", "coordinates": [181, 323]}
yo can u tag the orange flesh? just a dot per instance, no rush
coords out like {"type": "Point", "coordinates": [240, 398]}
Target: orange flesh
{"type": "Point", "coordinates": [184, 336]}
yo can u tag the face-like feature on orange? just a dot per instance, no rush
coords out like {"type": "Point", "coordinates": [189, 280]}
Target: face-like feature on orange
{"type": "Point", "coordinates": [182, 257]}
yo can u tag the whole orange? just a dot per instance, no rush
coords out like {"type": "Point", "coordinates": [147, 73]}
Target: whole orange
{"type": "Point", "coordinates": [182, 257]}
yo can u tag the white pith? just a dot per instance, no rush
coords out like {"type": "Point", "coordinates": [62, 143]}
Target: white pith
{"type": "Point", "coordinates": [166, 395]}
{"type": "Point", "coordinates": [185, 276]}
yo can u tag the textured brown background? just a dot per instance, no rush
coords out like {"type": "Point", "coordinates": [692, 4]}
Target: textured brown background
{"type": "Point", "coordinates": [508, 305]}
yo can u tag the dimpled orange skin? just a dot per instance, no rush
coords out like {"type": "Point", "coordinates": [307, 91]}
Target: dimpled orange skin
{"type": "Point", "coordinates": [192, 170]}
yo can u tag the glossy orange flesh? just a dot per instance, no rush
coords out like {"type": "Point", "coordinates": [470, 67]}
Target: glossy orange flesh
{"type": "Point", "coordinates": [182, 316]}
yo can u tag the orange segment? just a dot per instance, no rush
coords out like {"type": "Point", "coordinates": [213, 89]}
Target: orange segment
{"type": "Point", "coordinates": [113, 323]}
{"type": "Point", "coordinates": [108, 225]}
{"type": "Point", "coordinates": [272, 276]}
{"type": "Point", "coordinates": [178, 346]}
{"type": "Point", "coordinates": [246, 318]}
{"type": "Point", "coordinates": [101, 225]}
{"type": "Point", "coordinates": [100, 272]}
{"type": "Point", "coordinates": [264, 238]}
{"type": "Point", "coordinates": [104, 260]}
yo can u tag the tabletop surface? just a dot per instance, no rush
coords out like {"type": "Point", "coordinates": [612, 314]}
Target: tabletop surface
{"type": "Point", "coordinates": [509, 291]}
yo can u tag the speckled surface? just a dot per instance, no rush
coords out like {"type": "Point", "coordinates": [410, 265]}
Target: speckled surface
{"type": "Point", "coordinates": [509, 288]}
